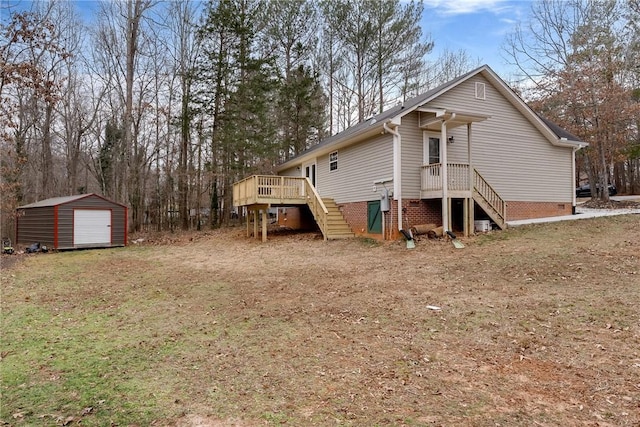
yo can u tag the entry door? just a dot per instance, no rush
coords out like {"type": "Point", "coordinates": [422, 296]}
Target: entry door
{"type": "Point", "coordinates": [431, 153]}
{"type": "Point", "coordinates": [91, 226]}
{"type": "Point", "coordinates": [374, 217]}
{"type": "Point", "coordinates": [431, 150]}
{"type": "Point", "coordinates": [310, 172]}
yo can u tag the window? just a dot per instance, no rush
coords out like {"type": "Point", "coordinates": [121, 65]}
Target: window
{"type": "Point", "coordinates": [434, 150]}
{"type": "Point", "coordinates": [333, 161]}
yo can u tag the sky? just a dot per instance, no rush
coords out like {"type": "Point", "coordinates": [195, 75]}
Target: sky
{"type": "Point", "coordinates": [476, 26]}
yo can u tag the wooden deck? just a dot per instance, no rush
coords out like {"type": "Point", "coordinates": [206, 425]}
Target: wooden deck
{"type": "Point", "coordinates": [259, 192]}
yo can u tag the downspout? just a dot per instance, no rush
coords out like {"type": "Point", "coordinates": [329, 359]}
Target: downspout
{"type": "Point", "coordinates": [397, 164]}
{"type": "Point", "coordinates": [445, 178]}
{"type": "Point", "coordinates": [573, 178]}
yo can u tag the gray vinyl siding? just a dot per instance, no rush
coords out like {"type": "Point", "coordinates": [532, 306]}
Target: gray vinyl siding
{"type": "Point", "coordinates": [412, 156]}
{"type": "Point", "coordinates": [358, 167]}
{"type": "Point", "coordinates": [518, 161]}
{"type": "Point", "coordinates": [36, 225]}
{"type": "Point", "coordinates": [294, 171]}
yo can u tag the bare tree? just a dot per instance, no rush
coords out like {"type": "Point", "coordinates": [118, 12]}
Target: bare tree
{"type": "Point", "coordinates": [573, 53]}
{"type": "Point", "coordinates": [128, 70]}
{"type": "Point", "coordinates": [30, 53]}
{"type": "Point", "coordinates": [184, 49]}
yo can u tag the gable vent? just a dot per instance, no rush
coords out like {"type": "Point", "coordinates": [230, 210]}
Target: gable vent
{"type": "Point", "coordinates": [480, 90]}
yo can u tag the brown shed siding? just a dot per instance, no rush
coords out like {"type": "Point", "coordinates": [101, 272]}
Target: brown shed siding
{"type": "Point", "coordinates": [36, 225]}
{"type": "Point", "coordinates": [54, 225]}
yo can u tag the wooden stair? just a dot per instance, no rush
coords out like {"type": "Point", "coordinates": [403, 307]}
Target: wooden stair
{"type": "Point", "coordinates": [489, 200]}
{"type": "Point", "coordinates": [336, 226]}
{"type": "Point", "coordinates": [493, 213]}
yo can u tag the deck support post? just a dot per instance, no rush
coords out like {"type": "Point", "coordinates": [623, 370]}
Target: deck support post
{"type": "Point", "coordinates": [255, 223]}
{"type": "Point", "coordinates": [258, 213]}
{"type": "Point", "coordinates": [449, 216]}
{"type": "Point", "coordinates": [469, 216]}
{"type": "Point", "coordinates": [465, 215]}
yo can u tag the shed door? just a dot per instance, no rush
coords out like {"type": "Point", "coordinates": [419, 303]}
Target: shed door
{"type": "Point", "coordinates": [91, 226]}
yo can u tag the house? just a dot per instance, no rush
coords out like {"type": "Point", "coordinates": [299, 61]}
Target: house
{"type": "Point", "coordinates": [468, 150]}
{"type": "Point", "coordinates": [73, 222]}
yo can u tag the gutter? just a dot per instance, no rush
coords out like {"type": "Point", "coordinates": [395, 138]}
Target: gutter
{"type": "Point", "coordinates": [397, 166]}
{"type": "Point", "coordinates": [573, 177]}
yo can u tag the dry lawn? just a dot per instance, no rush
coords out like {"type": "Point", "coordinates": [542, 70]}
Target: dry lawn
{"type": "Point", "coordinates": [539, 325]}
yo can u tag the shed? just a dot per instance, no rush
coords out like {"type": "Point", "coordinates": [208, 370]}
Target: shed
{"type": "Point", "coordinates": [73, 222]}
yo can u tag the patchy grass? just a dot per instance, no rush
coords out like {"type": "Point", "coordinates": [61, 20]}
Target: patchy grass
{"type": "Point", "coordinates": [539, 325]}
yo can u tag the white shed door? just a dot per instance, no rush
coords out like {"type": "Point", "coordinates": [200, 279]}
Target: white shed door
{"type": "Point", "coordinates": [91, 226]}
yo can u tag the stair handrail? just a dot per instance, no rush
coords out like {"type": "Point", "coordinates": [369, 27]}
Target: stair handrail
{"type": "Point", "coordinates": [317, 206]}
{"type": "Point", "coordinates": [491, 196]}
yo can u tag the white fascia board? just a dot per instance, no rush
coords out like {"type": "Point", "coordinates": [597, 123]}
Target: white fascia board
{"type": "Point", "coordinates": [439, 112]}
{"type": "Point", "coordinates": [396, 121]}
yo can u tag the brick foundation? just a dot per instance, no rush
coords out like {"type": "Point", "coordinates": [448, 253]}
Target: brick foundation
{"type": "Point", "coordinates": [430, 211]}
{"type": "Point", "coordinates": [529, 210]}
{"type": "Point", "coordinates": [414, 212]}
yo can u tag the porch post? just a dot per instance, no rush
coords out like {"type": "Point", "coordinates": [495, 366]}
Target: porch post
{"type": "Point", "coordinates": [264, 224]}
{"type": "Point", "coordinates": [471, 208]}
{"type": "Point", "coordinates": [445, 179]}
{"type": "Point", "coordinates": [465, 215]}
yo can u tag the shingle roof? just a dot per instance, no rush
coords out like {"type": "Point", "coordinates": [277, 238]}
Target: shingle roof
{"type": "Point", "coordinates": [560, 132]}
{"type": "Point", "coordinates": [410, 104]}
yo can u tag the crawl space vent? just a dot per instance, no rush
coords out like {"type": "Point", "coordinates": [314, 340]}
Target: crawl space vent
{"type": "Point", "coordinates": [480, 90]}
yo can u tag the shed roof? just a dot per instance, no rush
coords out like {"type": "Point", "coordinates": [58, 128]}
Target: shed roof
{"type": "Point", "coordinates": [55, 201]}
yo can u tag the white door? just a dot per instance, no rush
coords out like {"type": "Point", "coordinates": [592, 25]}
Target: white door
{"type": "Point", "coordinates": [91, 226]}
{"type": "Point", "coordinates": [309, 171]}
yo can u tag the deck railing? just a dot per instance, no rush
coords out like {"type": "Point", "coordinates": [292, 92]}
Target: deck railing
{"type": "Point", "coordinates": [281, 190]}
{"type": "Point", "coordinates": [317, 207]}
{"type": "Point", "coordinates": [457, 177]}
{"type": "Point", "coordinates": [267, 189]}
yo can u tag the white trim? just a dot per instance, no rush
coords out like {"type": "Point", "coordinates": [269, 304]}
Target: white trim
{"type": "Point", "coordinates": [314, 165]}
{"type": "Point", "coordinates": [426, 136]}
{"type": "Point", "coordinates": [334, 161]}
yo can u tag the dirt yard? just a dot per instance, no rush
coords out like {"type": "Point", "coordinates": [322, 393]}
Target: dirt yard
{"type": "Point", "coordinates": [538, 325]}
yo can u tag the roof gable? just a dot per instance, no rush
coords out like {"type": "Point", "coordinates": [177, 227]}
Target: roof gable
{"type": "Point", "coordinates": [555, 134]}
{"type": "Point", "coordinates": [55, 201]}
